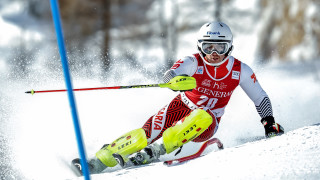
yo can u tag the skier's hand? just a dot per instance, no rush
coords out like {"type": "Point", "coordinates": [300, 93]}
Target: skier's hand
{"type": "Point", "coordinates": [271, 128]}
{"type": "Point", "coordinates": [182, 83]}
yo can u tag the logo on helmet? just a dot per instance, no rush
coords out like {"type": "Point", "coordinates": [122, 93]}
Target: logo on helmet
{"type": "Point", "coordinates": [213, 33]}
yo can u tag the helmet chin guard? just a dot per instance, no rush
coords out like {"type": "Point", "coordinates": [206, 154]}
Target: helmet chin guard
{"type": "Point", "coordinates": [217, 32]}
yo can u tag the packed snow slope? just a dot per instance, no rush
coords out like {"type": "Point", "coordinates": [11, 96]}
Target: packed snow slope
{"type": "Point", "coordinates": [40, 132]}
{"type": "Point", "coordinates": [295, 155]}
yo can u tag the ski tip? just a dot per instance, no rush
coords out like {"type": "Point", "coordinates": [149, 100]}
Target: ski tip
{"type": "Point", "coordinates": [168, 163]}
{"type": "Point", "coordinates": [76, 167]}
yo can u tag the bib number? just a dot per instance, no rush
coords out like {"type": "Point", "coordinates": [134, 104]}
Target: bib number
{"type": "Point", "coordinates": [211, 102]}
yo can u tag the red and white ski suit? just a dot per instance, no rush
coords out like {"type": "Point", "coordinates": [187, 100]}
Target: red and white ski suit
{"type": "Point", "coordinates": [215, 86]}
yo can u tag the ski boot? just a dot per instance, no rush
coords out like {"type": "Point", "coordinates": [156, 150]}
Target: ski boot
{"type": "Point", "coordinates": [121, 148]}
{"type": "Point", "coordinates": [148, 155]}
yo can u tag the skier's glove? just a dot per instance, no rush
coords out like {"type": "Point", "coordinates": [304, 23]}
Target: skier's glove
{"type": "Point", "coordinates": [271, 128]}
{"type": "Point", "coordinates": [181, 83]}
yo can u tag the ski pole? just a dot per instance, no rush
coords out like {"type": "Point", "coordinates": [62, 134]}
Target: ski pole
{"type": "Point", "coordinates": [178, 83]}
{"type": "Point", "coordinates": [100, 88]}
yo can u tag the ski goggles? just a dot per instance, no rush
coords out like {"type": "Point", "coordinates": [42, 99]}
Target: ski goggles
{"type": "Point", "coordinates": [210, 47]}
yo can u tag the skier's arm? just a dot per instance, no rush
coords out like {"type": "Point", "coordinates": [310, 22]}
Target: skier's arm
{"type": "Point", "coordinates": [182, 69]}
{"type": "Point", "coordinates": [186, 66]}
{"type": "Point", "coordinates": [181, 83]}
{"type": "Point", "coordinates": [251, 86]}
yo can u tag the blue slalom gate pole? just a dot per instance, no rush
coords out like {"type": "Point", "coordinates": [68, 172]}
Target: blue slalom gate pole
{"type": "Point", "coordinates": [64, 61]}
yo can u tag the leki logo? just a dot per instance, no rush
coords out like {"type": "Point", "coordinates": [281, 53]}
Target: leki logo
{"type": "Point", "coordinates": [124, 145]}
{"type": "Point", "coordinates": [206, 83]}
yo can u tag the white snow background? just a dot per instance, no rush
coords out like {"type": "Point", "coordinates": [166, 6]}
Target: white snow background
{"type": "Point", "coordinates": [42, 136]}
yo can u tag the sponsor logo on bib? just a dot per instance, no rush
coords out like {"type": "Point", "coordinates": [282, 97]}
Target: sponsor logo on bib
{"type": "Point", "coordinates": [200, 70]}
{"type": "Point", "coordinates": [206, 83]}
{"type": "Point", "coordinates": [235, 74]}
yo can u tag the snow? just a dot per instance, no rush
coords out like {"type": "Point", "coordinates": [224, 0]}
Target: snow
{"type": "Point", "coordinates": [42, 142]}
{"type": "Point", "coordinates": [295, 155]}
{"type": "Point", "coordinates": [7, 32]}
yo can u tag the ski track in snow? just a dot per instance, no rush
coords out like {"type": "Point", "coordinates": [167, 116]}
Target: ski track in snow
{"type": "Point", "coordinates": [42, 136]}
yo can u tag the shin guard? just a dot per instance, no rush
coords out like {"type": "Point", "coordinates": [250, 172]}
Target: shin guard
{"type": "Point", "coordinates": [193, 125]}
{"type": "Point", "coordinates": [127, 144]}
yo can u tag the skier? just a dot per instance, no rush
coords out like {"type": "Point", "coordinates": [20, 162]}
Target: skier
{"type": "Point", "coordinates": [206, 80]}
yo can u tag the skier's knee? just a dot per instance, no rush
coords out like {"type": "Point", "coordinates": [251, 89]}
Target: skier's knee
{"type": "Point", "coordinates": [208, 133]}
{"type": "Point", "coordinates": [193, 125]}
{"type": "Point", "coordinates": [125, 145]}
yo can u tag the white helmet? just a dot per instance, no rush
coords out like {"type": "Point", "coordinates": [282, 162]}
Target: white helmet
{"type": "Point", "coordinates": [218, 36]}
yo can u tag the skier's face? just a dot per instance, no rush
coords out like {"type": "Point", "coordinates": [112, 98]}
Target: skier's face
{"type": "Point", "coordinates": [214, 58]}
